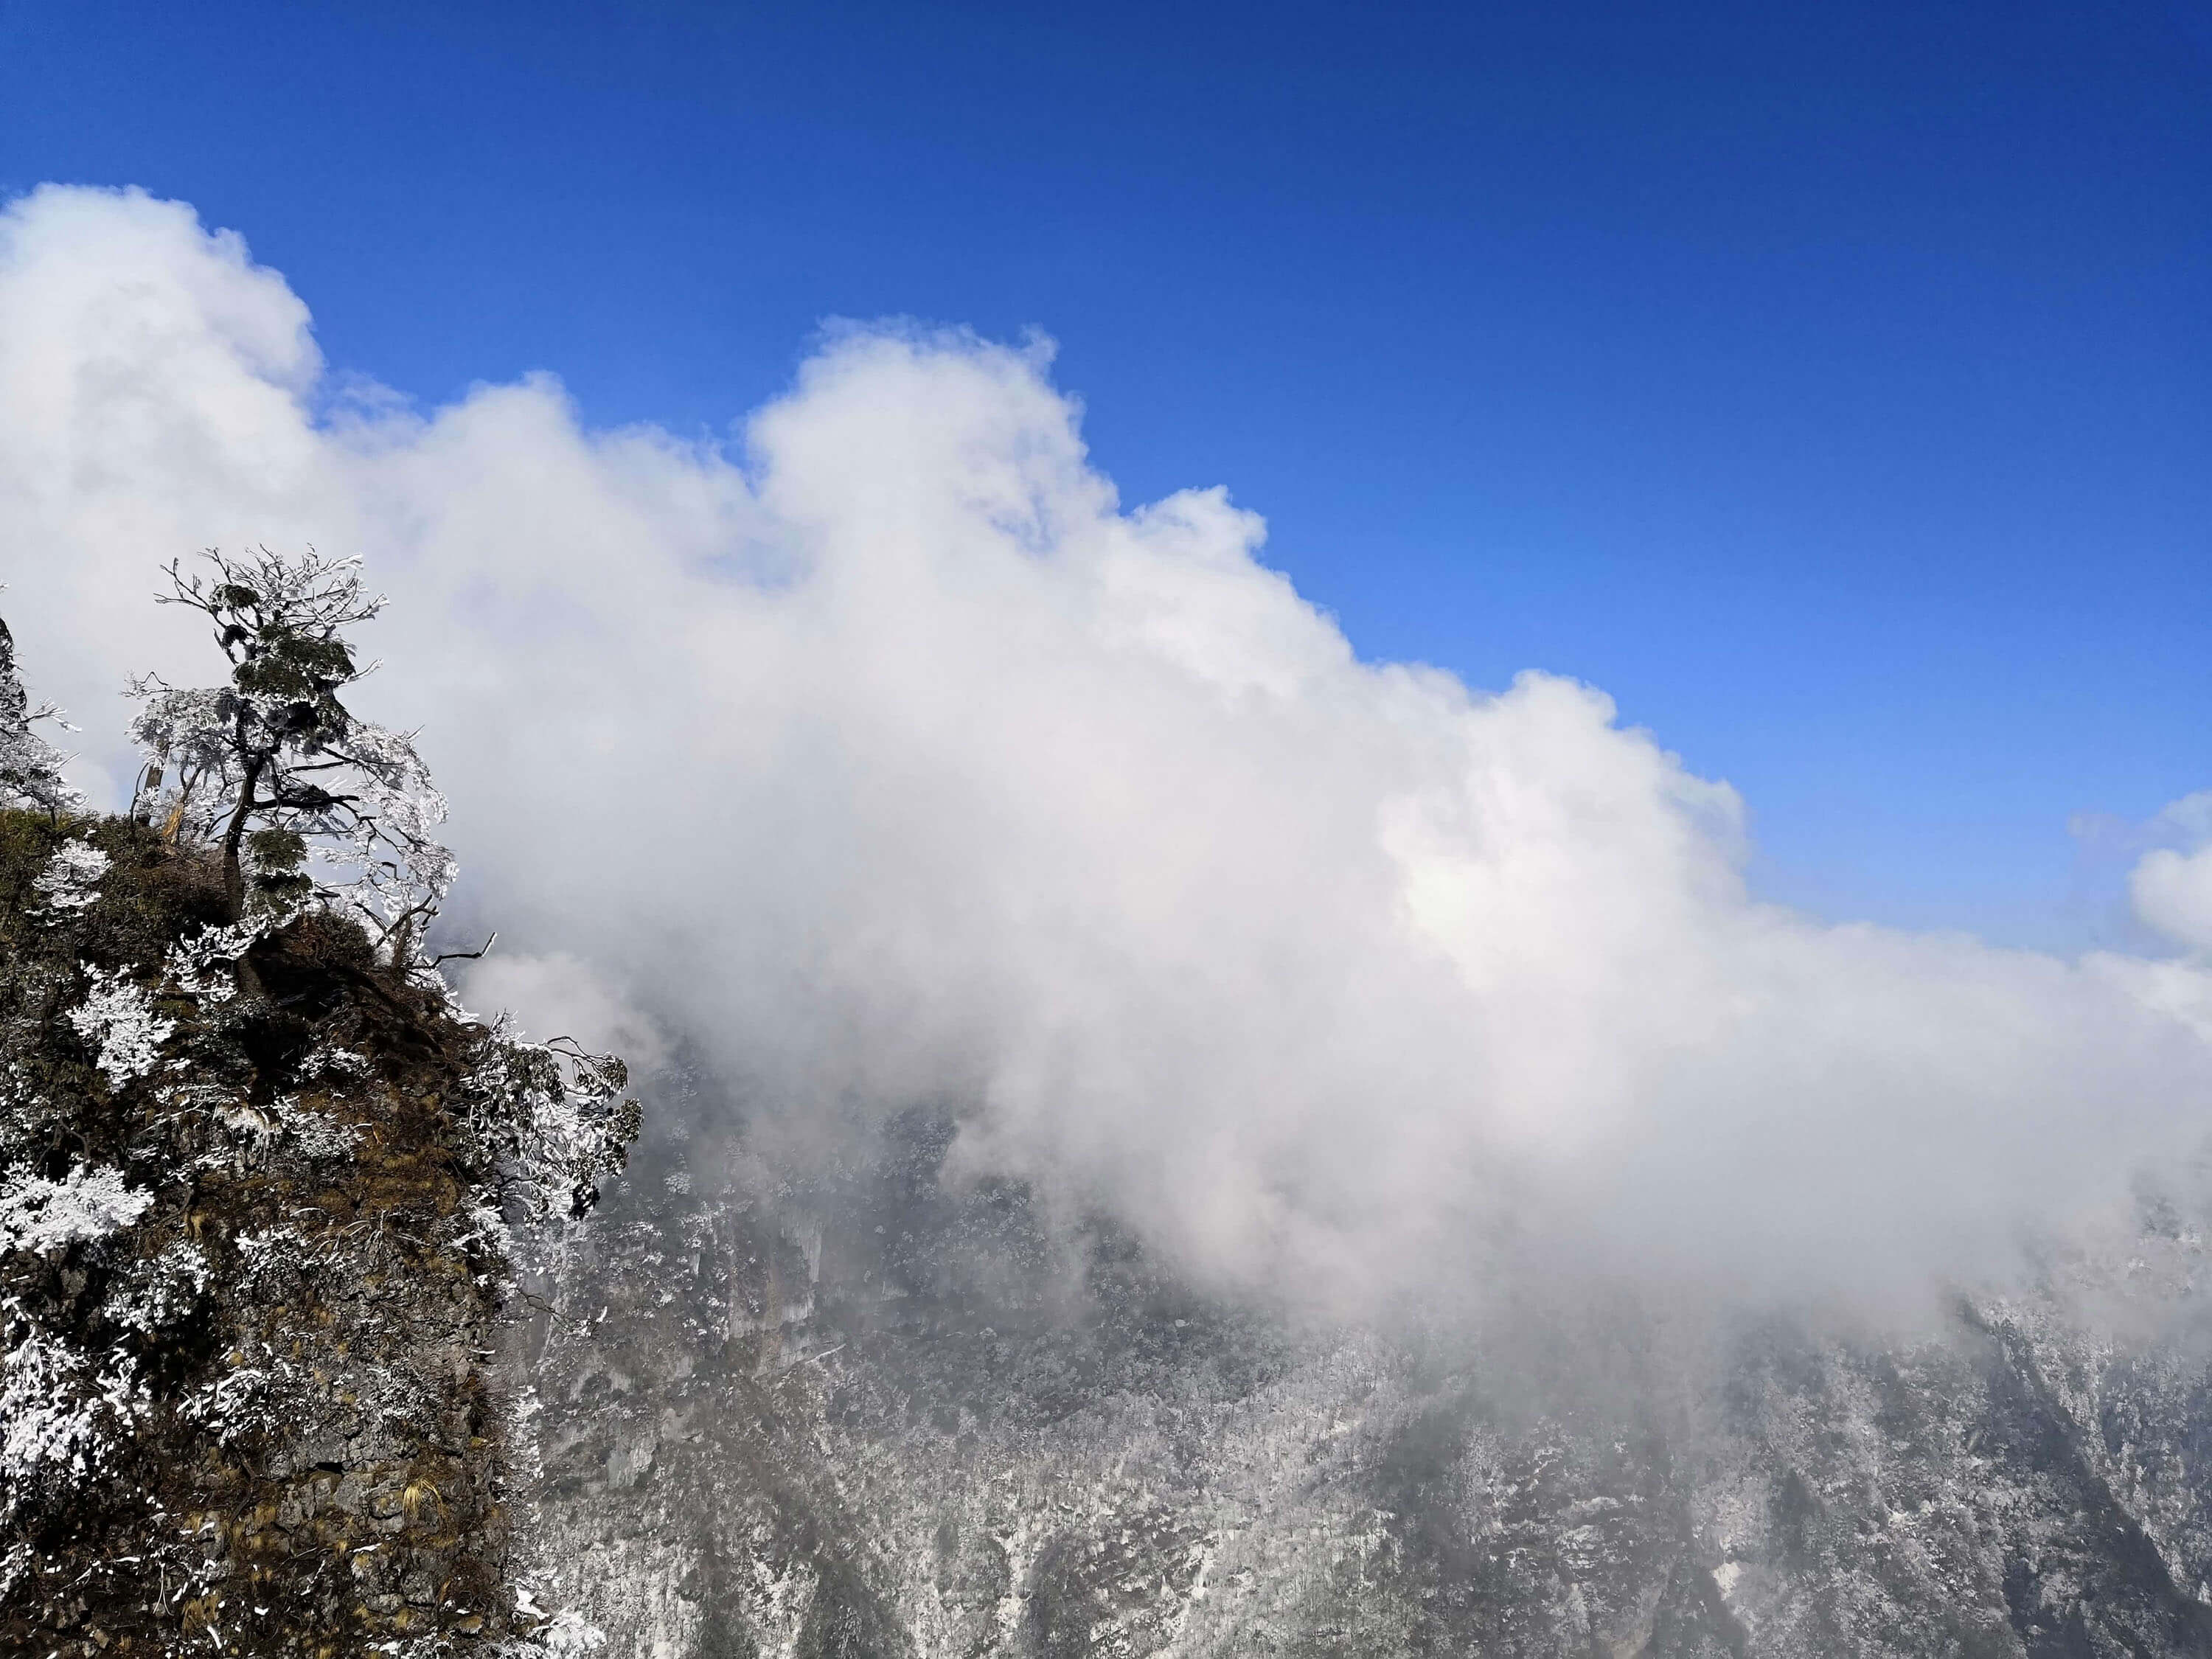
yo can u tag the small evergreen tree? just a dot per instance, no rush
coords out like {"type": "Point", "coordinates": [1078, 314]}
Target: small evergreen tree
{"type": "Point", "coordinates": [273, 769]}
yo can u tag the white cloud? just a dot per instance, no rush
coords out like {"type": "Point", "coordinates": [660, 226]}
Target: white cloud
{"type": "Point", "coordinates": [2172, 888]}
{"type": "Point", "coordinates": [893, 759]}
{"type": "Point", "coordinates": [565, 998]}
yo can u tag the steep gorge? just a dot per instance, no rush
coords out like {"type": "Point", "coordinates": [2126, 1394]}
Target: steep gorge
{"type": "Point", "coordinates": [968, 1437]}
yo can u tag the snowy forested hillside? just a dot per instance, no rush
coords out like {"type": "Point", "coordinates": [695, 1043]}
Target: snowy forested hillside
{"type": "Point", "coordinates": [883, 1415]}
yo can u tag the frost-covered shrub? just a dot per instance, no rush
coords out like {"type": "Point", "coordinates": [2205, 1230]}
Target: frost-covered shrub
{"type": "Point", "coordinates": [551, 1119]}
{"type": "Point", "coordinates": [64, 1415]}
{"type": "Point", "coordinates": [30, 767]}
{"type": "Point", "coordinates": [250, 1399]}
{"type": "Point", "coordinates": [38, 1215]}
{"type": "Point", "coordinates": [204, 966]}
{"type": "Point", "coordinates": [71, 879]}
{"type": "Point", "coordinates": [119, 1015]}
{"type": "Point", "coordinates": [316, 1135]}
{"type": "Point", "coordinates": [153, 1295]}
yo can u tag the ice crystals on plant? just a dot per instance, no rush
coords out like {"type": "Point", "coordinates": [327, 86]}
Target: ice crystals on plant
{"type": "Point", "coordinates": [40, 1215]}
{"type": "Point", "coordinates": [30, 767]}
{"type": "Point", "coordinates": [119, 1015]}
{"type": "Point", "coordinates": [71, 881]}
{"type": "Point", "coordinates": [62, 1415]}
{"type": "Point", "coordinates": [202, 966]}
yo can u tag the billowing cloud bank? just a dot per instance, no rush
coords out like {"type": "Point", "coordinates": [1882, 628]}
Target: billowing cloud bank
{"type": "Point", "coordinates": [2172, 886]}
{"type": "Point", "coordinates": [893, 759]}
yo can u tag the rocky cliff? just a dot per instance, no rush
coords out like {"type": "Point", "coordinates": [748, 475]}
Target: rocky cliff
{"type": "Point", "coordinates": [257, 1214]}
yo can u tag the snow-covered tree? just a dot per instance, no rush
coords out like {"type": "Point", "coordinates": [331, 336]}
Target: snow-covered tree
{"type": "Point", "coordinates": [273, 769]}
{"type": "Point", "coordinates": [550, 1119]}
{"type": "Point", "coordinates": [30, 767]}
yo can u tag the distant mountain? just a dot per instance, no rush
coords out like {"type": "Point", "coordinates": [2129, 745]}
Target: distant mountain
{"type": "Point", "coordinates": [883, 1415]}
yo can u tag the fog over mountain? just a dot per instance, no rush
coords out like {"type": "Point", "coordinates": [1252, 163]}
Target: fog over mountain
{"type": "Point", "coordinates": [910, 766]}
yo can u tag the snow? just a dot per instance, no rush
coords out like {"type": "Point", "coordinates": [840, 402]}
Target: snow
{"type": "Point", "coordinates": [30, 767]}
{"type": "Point", "coordinates": [154, 1296]}
{"type": "Point", "coordinates": [119, 1015]}
{"type": "Point", "coordinates": [568, 1634]}
{"type": "Point", "coordinates": [201, 966]}
{"type": "Point", "coordinates": [59, 1414]}
{"type": "Point", "coordinates": [71, 881]}
{"type": "Point", "coordinates": [38, 1215]}
{"type": "Point", "coordinates": [317, 1135]}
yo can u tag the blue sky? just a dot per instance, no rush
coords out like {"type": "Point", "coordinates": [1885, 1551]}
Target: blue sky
{"type": "Point", "coordinates": [1831, 385]}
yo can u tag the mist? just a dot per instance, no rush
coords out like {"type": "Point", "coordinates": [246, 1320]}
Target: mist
{"type": "Point", "coordinates": [882, 754]}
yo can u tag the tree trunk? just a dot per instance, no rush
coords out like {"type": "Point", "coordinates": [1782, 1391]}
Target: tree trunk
{"type": "Point", "coordinates": [233, 839]}
{"type": "Point", "coordinates": [234, 874]}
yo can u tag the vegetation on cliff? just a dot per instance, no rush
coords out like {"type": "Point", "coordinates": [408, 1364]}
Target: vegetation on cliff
{"type": "Point", "coordinates": [264, 1184]}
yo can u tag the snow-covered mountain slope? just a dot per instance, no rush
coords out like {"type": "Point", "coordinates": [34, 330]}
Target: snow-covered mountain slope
{"type": "Point", "coordinates": [882, 1416]}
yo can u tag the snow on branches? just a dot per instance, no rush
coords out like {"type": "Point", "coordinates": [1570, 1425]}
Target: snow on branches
{"type": "Point", "coordinates": [40, 1215]}
{"type": "Point", "coordinates": [552, 1118]}
{"type": "Point", "coordinates": [119, 1015]}
{"type": "Point", "coordinates": [30, 767]}
{"type": "Point", "coordinates": [274, 769]}
{"type": "Point", "coordinates": [62, 1415]}
{"type": "Point", "coordinates": [71, 881]}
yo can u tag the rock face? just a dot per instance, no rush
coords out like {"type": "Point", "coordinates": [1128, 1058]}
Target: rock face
{"type": "Point", "coordinates": [876, 1416]}
{"type": "Point", "coordinates": [252, 1272]}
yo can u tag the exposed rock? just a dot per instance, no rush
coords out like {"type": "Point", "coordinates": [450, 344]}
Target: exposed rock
{"type": "Point", "coordinates": [252, 1264]}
